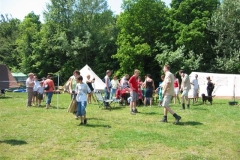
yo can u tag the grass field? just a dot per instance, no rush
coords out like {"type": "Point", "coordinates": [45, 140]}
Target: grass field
{"type": "Point", "coordinates": [205, 132]}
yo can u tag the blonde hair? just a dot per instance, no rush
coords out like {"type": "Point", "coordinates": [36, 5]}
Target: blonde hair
{"type": "Point", "coordinates": [136, 71]}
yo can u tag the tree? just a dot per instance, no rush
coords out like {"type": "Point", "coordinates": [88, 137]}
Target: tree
{"type": "Point", "coordinates": [225, 26]}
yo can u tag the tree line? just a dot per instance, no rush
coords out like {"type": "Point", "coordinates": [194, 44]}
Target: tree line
{"type": "Point", "coordinates": [194, 35]}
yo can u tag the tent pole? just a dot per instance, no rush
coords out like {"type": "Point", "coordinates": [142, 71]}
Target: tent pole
{"type": "Point", "coordinates": [57, 93]}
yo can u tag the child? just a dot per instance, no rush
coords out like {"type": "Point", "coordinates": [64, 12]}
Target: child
{"type": "Point", "coordinates": [82, 90]}
{"type": "Point", "coordinates": [159, 91]}
{"type": "Point", "coordinates": [40, 90]}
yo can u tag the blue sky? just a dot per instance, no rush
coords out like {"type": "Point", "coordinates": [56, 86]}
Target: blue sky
{"type": "Point", "coordinates": [20, 8]}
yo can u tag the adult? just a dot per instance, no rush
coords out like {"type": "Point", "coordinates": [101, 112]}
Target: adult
{"type": "Point", "coordinates": [149, 85]}
{"type": "Point", "coordinates": [124, 81]}
{"type": "Point", "coordinates": [195, 87]}
{"type": "Point", "coordinates": [90, 94]}
{"type": "Point", "coordinates": [115, 84]}
{"type": "Point", "coordinates": [176, 90]}
{"type": "Point", "coordinates": [35, 92]}
{"type": "Point", "coordinates": [107, 87]}
{"type": "Point", "coordinates": [210, 86]}
{"type": "Point", "coordinates": [29, 86]}
{"type": "Point", "coordinates": [168, 93]}
{"type": "Point", "coordinates": [133, 83]}
{"type": "Point", "coordinates": [49, 92]}
{"type": "Point", "coordinates": [73, 83]}
{"type": "Point", "coordinates": [185, 87]}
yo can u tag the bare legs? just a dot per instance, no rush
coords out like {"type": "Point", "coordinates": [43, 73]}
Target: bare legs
{"type": "Point", "coordinates": [90, 96]}
{"type": "Point", "coordinates": [150, 101]}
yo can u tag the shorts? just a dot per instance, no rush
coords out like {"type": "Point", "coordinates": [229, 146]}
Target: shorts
{"type": "Point", "coordinates": [195, 93]}
{"type": "Point", "coordinates": [134, 96]}
{"type": "Point", "coordinates": [35, 93]}
{"type": "Point", "coordinates": [149, 92]}
{"type": "Point", "coordinates": [81, 108]}
{"type": "Point", "coordinates": [176, 91]}
{"type": "Point", "coordinates": [40, 96]}
{"type": "Point", "coordinates": [185, 93]}
{"type": "Point", "coordinates": [166, 100]}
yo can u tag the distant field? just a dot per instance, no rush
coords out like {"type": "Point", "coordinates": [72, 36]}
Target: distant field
{"type": "Point", "coordinates": [205, 132]}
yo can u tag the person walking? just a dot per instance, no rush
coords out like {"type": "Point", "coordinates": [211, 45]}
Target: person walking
{"type": "Point", "coordinates": [29, 86]}
{"type": "Point", "coordinates": [185, 87]}
{"type": "Point", "coordinates": [49, 92]}
{"type": "Point", "coordinates": [168, 93]}
{"type": "Point", "coordinates": [107, 87]}
{"type": "Point", "coordinates": [133, 83]}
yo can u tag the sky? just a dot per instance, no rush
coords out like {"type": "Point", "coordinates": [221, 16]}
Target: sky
{"type": "Point", "coordinates": [20, 8]}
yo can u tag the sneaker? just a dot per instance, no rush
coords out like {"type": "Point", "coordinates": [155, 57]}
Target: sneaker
{"type": "Point", "coordinates": [188, 106]}
{"type": "Point", "coordinates": [133, 113]}
{"type": "Point", "coordinates": [76, 117]}
{"type": "Point", "coordinates": [80, 123]}
{"type": "Point", "coordinates": [177, 119]}
{"type": "Point", "coordinates": [85, 121]}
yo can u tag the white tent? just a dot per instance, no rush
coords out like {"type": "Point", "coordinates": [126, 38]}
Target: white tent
{"type": "Point", "coordinates": [226, 85]}
{"type": "Point", "coordinates": [98, 84]}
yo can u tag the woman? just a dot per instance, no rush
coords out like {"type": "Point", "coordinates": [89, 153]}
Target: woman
{"type": "Point", "coordinates": [210, 87]}
{"type": "Point", "coordinates": [90, 94]}
{"type": "Point", "coordinates": [49, 92]}
{"type": "Point", "coordinates": [176, 90]}
{"type": "Point", "coordinates": [149, 84]}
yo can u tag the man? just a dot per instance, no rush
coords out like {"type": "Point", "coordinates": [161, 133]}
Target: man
{"type": "Point", "coordinates": [29, 86]}
{"type": "Point", "coordinates": [195, 87]}
{"type": "Point", "coordinates": [107, 87]}
{"type": "Point", "coordinates": [133, 83]}
{"type": "Point", "coordinates": [185, 87]}
{"type": "Point", "coordinates": [168, 93]}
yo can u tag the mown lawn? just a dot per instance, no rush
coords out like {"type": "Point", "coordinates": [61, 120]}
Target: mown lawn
{"type": "Point", "coordinates": [205, 132]}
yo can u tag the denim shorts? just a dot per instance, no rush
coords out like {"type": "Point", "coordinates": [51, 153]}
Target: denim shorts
{"type": "Point", "coordinates": [81, 108]}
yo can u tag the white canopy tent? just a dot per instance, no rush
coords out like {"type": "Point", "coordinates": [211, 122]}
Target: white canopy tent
{"type": "Point", "coordinates": [98, 85]}
{"type": "Point", "coordinates": [226, 85]}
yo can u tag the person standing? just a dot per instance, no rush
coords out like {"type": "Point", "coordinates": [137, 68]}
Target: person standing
{"type": "Point", "coordinates": [195, 87]}
{"type": "Point", "coordinates": [73, 83]}
{"type": "Point", "coordinates": [210, 87]}
{"type": "Point", "coordinates": [168, 93]}
{"type": "Point", "coordinates": [90, 94]}
{"type": "Point", "coordinates": [149, 84]}
{"type": "Point", "coordinates": [107, 87]}
{"type": "Point", "coordinates": [115, 84]}
{"type": "Point", "coordinates": [82, 90]}
{"type": "Point", "coordinates": [49, 91]}
{"type": "Point", "coordinates": [133, 83]}
{"type": "Point", "coordinates": [185, 87]}
{"type": "Point", "coordinates": [35, 92]}
{"type": "Point", "coordinates": [40, 91]}
{"type": "Point", "coordinates": [176, 90]}
{"type": "Point", "coordinates": [29, 86]}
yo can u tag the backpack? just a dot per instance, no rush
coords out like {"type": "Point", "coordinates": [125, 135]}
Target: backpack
{"type": "Point", "coordinates": [46, 86]}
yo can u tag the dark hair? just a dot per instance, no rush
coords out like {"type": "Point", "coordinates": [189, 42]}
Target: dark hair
{"type": "Point", "coordinates": [167, 66]}
{"type": "Point", "coordinates": [162, 76]}
{"type": "Point", "coordinates": [181, 71]}
{"type": "Point", "coordinates": [76, 72]}
{"type": "Point", "coordinates": [49, 76]}
{"type": "Point", "coordinates": [149, 75]}
{"type": "Point", "coordinates": [80, 78]}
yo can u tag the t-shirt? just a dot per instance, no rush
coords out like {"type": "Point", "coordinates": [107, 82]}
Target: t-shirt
{"type": "Point", "coordinates": [107, 80]}
{"type": "Point", "coordinates": [124, 82]}
{"type": "Point", "coordinates": [186, 85]}
{"type": "Point", "coordinates": [50, 83]}
{"type": "Point", "coordinates": [114, 83]}
{"type": "Point", "coordinates": [36, 85]}
{"type": "Point", "coordinates": [168, 80]}
{"type": "Point", "coordinates": [134, 83]}
{"type": "Point", "coordinates": [82, 90]}
{"type": "Point", "coordinates": [195, 84]}
{"type": "Point", "coordinates": [29, 83]}
{"type": "Point", "coordinates": [40, 89]}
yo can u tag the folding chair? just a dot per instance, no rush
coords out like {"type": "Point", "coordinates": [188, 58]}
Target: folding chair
{"type": "Point", "coordinates": [101, 100]}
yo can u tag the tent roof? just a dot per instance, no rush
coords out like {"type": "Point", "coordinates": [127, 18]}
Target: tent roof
{"type": "Point", "coordinates": [6, 78]}
{"type": "Point", "coordinates": [20, 74]}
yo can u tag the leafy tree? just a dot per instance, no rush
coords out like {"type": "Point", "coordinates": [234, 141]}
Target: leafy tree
{"type": "Point", "coordinates": [225, 26]}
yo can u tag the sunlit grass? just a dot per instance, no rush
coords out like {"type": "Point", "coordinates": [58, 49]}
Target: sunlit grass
{"type": "Point", "coordinates": [205, 132]}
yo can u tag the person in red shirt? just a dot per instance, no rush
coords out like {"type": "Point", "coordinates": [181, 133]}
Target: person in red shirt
{"type": "Point", "coordinates": [176, 90]}
{"type": "Point", "coordinates": [49, 92]}
{"type": "Point", "coordinates": [133, 82]}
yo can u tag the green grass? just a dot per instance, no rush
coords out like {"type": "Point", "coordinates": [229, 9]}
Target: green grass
{"type": "Point", "coordinates": [205, 132]}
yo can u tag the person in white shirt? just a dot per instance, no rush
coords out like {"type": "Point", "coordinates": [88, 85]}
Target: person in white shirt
{"type": "Point", "coordinates": [82, 90]}
{"type": "Point", "coordinates": [124, 82]}
{"type": "Point", "coordinates": [40, 91]}
{"type": "Point", "coordinates": [195, 87]}
{"type": "Point", "coordinates": [35, 93]}
{"type": "Point", "coordinates": [29, 86]}
{"type": "Point", "coordinates": [115, 84]}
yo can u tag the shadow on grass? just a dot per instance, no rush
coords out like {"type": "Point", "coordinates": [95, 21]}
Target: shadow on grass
{"type": "Point", "coordinates": [14, 142]}
{"type": "Point", "coordinates": [149, 113]}
{"type": "Point", "coordinates": [98, 119]}
{"type": "Point", "coordinates": [97, 125]}
{"type": "Point", "coordinates": [190, 123]}
{"type": "Point", "coordinates": [5, 97]}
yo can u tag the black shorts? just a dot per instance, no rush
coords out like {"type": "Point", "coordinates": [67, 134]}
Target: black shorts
{"type": "Point", "coordinates": [35, 93]}
{"type": "Point", "coordinates": [40, 96]}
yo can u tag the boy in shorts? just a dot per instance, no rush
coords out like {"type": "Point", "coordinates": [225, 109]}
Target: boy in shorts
{"type": "Point", "coordinates": [40, 91]}
{"type": "Point", "coordinates": [185, 87]}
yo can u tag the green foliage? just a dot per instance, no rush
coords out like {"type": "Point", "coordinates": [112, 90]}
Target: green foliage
{"type": "Point", "coordinates": [225, 26]}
